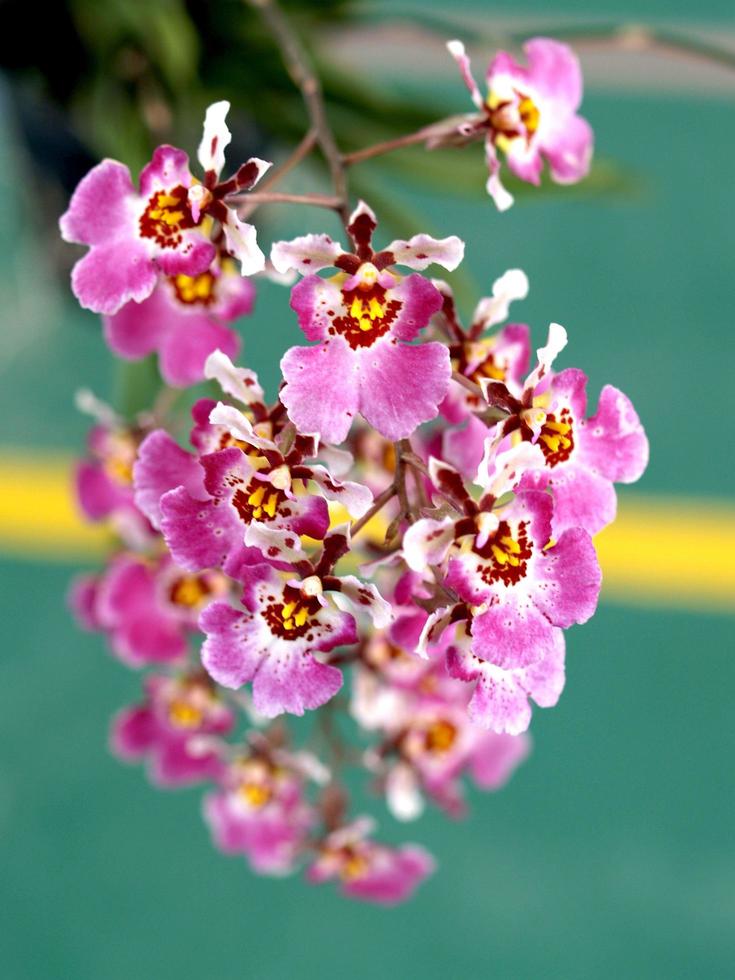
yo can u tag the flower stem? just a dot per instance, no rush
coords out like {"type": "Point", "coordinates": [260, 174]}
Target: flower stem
{"type": "Point", "coordinates": [380, 501]}
{"type": "Point", "coordinates": [276, 197]}
{"type": "Point", "coordinates": [298, 65]}
{"type": "Point", "coordinates": [378, 149]}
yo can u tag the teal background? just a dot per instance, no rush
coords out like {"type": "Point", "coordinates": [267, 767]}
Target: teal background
{"type": "Point", "coordinates": [611, 852]}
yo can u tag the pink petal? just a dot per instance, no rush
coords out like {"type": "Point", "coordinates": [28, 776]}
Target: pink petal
{"type": "Point", "coordinates": [568, 579]}
{"type": "Point", "coordinates": [113, 273]}
{"type": "Point", "coordinates": [134, 731]}
{"type": "Point", "coordinates": [495, 758]}
{"type": "Point", "coordinates": [419, 299]}
{"type": "Point", "coordinates": [185, 348]}
{"type": "Point", "coordinates": [393, 879]}
{"type": "Point", "coordinates": [316, 302]}
{"type": "Point", "coordinates": [613, 442]}
{"type": "Point", "coordinates": [168, 168]}
{"type": "Point", "coordinates": [306, 254]}
{"type": "Point", "coordinates": [199, 533]}
{"type": "Point", "coordinates": [232, 650]}
{"type": "Point", "coordinates": [402, 386]}
{"type": "Point", "coordinates": [137, 329]}
{"type": "Point", "coordinates": [554, 71]}
{"type": "Point", "coordinates": [292, 681]}
{"type": "Point", "coordinates": [192, 257]}
{"type": "Point", "coordinates": [582, 498]}
{"type": "Point", "coordinates": [162, 465]}
{"type": "Point", "coordinates": [101, 207]}
{"type": "Point", "coordinates": [321, 393]}
{"type": "Point", "coordinates": [512, 632]}
{"type": "Point", "coordinates": [569, 149]}
{"type": "Point", "coordinates": [97, 494]}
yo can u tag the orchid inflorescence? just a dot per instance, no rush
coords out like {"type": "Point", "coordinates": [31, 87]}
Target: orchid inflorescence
{"type": "Point", "coordinates": [410, 519]}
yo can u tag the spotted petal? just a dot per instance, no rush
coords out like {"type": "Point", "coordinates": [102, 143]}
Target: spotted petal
{"type": "Point", "coordinates": [422, 251]}
{"type": "Point", "coordinates": [306, 254]}
{"type": "Point", "coordinates": [512, 285]}
{"type": "Point", "coordinates": [215, 138]}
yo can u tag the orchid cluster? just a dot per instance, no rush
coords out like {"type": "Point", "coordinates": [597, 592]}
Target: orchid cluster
{"type": "Point", "coordinates": [393, 547]}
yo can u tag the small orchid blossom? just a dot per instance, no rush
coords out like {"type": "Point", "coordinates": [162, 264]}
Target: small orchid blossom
{"type": "Point", "coordinates": [502, 560]}
{"type": "Point", "coordinates": [104, 481]}
{"type": "Point", "coordinates": [582, 457]}
{"type": "Point", "coordinates": [184, 320]}
{"type": "Point", "coordinates": [363, 319]}
{"type": "Point", "coordinates": [260, 811]}
{"type": "Point", "coordinates": [501, 356]}
{"type": "Point", "coordinates": [273, 639]}
{"type": "Point", "coordinates": [501, 692]}
{"type": "Point", "coordinates": [367, 870]}
{"type": "Point", "coordinates": [146, 608]}
{"type": "Point", "coordinates": [163, 227]}
{"type": "Point", "coordinates": [176, 730]}
{"type": "Point", "coordinates": [530, 115]}
{"type": "Point", "coordinates": [429, 739]}
{"type": "Point", "coordinates": [230, 576]}
{"type": "Point", "coordinates": [220, 508]}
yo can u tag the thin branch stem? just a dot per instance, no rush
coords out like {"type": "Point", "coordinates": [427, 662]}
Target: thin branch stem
{"type": "Point", "coordinates": [380, 501]}
{"type": "Point", "coordinates": [401, 447]}
{"type": "Point", "coordinates": [298, 66]}
{"type": "Point", "coordinates": [300, 153]}
{"type": "Point", "coordinates": [277, 197]}
{"type": "Point", "coordinates": [466, 383]}
{"type": "Point", "coordinates": [378, 149]}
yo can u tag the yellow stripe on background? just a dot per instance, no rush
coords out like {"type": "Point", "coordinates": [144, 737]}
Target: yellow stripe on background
{"type": "Point", "coordinates": [661, 551]}
{"type": "Point", "coordinates": [38, 515]}
{"type": "Point", "coordinates": [670, 551]}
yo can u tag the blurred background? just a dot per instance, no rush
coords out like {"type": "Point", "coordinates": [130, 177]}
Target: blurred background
{"type": "Point", "coordinates": [612, 851]}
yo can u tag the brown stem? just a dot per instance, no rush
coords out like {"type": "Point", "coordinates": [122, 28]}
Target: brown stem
{"type": "Point", "coordinates": [298, 66]}
{"type": "Point", "coordinates": [302, 151]}
{"type": "Point", "coordinates": [276, 197]}
{"type": "Point", "coordinates": [304, 148]}
{"type": "Point", "coordinates": [378, 149]}
{"type": "Point", "coordinates": [402, 447]}
{"type": "Point", "coordinates": [380, 501]}
{"type": "Point", "coordinates": [466, 383]}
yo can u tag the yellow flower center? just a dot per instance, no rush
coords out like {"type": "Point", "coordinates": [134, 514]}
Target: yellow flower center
{"type": "Point", "coordinates": [255, 794]}
{"type": "Point", "coordinates": [530, 116]}
{"type": "Point", "coordinates": [189, 590]}
{"type": "Point", "coordinates": [440, 736]}
{"type": "Point", "coordinates": [166, 216]}
{"type": "Point", "coordinates": [183, 714]}
{"type": "Point", "coordinates": [194, 289]}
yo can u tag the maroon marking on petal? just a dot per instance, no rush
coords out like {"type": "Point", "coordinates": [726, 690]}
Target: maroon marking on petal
{"type": "Point", "coordinates": [381, 260]}
{"type": "Point", "coordinates": [247, 175]}
{"type": "Point", "coordinates": [361, 232]}
{"type": "Point", "coordinates": [167, 214]}
{"type": "Point", "coordinates": [556, 438]}
{"type": "Point", "coordinates": [347, 263]}
{"type": "Point", "coordinates": [377, 313]}
{"type": "Point", "coordinates": [505, 555]}
{"type": "Point", "coordinates": [294, 617]}
{"type": "Point", "coordinates": [259, 501]}
{"type": "Point", "coordinates": [450, 483]}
